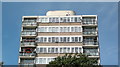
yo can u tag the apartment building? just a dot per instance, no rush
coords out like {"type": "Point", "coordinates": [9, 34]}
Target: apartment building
{"type": "Point", "coordinates": [43, 38]}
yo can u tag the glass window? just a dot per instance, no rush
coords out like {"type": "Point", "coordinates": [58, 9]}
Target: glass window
{"type": "Point", "coordinates": [48, 60]}
{"type": "Point", "coordinates": [50, 29]}
{"type": "Point", "coordinates": [61, 39]}
{"type": "Point", "coordinates": [76, 39]}
{"type": "Point", "coordinates": [72, 50]}
{"type": "Point", "coordinates": [79, 50]}
{"type": "Point", "coordinates": [67, 39]}
{"type": "Point", "coordinates": [45, 39]}
{"type": "Point", "coordinates": [56, 50]}
{"type": "Point", "coordinates": [53, 19]}
{"type": "Point", "coordinates": [57, 19]}
{"type": "Point", "coordinates": [64, 50]}
{"type": "Point", "coordinates": [68, 50]}
{"type": "Point", "coordinates": [45, 51]}
{"type": "Point", "coordinates": [57, 39]}
{"type": "Point", "coordinates": [49, 50]}
{"type": "Point", "coordinates": [41, 39]}
{"type": "Point", "coordinates": [64, 38]}
{"type": "Point", "coordinates": [75, 19]}
{"type": "Point", "coordinates": [73, 39]}
{"type": "Point", "coordinates": [64, 19]}
{"type": "Point", "coordinates": [61, 19]}
{"type": "Point", "coordinates": [72, 29]}
{"type": "Point", "coordinates": [41, 50]}
{"type": "Point", "coordinates": [53, 39]}
{"type": "Point", "coordinates": [76, 50]}
{"type": "Point", "coordinates": [78, 19]}
{"type": "Point", "coordinates": [52, 50]}
{"type": "Point", "coordinates": [79, 39]}
{"type": "Point", "coordinates": [61, 50]}
{"type": "Point", "coordinates": [76, 29]}
{"type": "Point", "coordinates": [49, 39]}
{"type": "Point", "coordinates": [43, 60]}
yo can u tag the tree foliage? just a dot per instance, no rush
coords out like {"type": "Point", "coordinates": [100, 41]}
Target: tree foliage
{"type": "Point", "coordinates": [73, 60]}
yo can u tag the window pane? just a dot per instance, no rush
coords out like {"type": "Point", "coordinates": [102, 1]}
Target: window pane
{"type": "Point", "coordinates": [72, 50]}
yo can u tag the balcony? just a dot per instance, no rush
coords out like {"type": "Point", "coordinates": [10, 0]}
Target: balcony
{"type": "Point", "coordinates": [27, 61]}
{"type": "Point", "coordinates": [28, 33]}
{"type": "Point", "coordinates": [89, 22]}
{"type": "Point", "coordinates": [28, 44]}
{"type": "Point", "coordinates": [27, 55]}
{"type": "Point", "coordinates": [29, 24]}
{"type": "Point", "coordinates": [90, 44]}
{"type": "Point", "coordinates": [89, 33]}
{"type": "Point", "coordinates": [92, 54]}
{"type": "Point", "coordinates": [91, 51]}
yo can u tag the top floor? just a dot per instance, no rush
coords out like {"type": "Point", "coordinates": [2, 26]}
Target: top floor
{"type": "Point", "coordinates": [60, 16]}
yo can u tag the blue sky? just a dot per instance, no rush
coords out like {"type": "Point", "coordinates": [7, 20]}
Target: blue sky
{"type": "Point", "coordinates": [107, 21]}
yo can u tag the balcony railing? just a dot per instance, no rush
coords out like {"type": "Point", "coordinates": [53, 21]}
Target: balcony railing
{"type": "Point", "coordinates": [89, 22]}
{"type": "Point", "coordinates": [23, 62]}
{"type": "Point", "coordinates": [90, 43]}
{"type": "Point", "coordinates": [29, 23]}
{"type": "Point", "coordinates": [92, 54]}
{"type": "Point", "coordinates": [28, 44]}
{"type": "Point", "coordinates": [89, 33]}
{"type": "Point", "coordinates": [24, 33]}
{"type": "Point", "coordinates": [27, 54]}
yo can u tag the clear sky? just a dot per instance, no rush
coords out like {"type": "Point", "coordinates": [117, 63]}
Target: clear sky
{"type": "Point", "coordinates": [107, 21]}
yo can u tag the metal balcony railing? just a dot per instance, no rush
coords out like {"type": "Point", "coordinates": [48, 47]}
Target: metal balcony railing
{"type": "Point", "coordinates": [28, 43]}
{"type": "Point", "coordinates": [89, 33]}
{"type": "Point", "coordinates": [89, 21]}
{"type": "Point", "coordinates": [92, 54]}
{"type": "Point", "coordinates": [29, 23]}
{"type": "Point", "coordinates": [24, 33]}
{"type": "Point", "coordinates": [27, 54]}
{"type": "Point", "coordinates": [90, 43]}
{"type": "Point", "coordinates": [27, 62]}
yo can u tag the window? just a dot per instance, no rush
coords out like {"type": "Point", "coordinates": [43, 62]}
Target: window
{"type": "Point", "coordinates": [49, 50]}
{"type": "Point", "coordinates": [73, 39]}
{"type": "Point", "coordinates": [76, 50]}
{"type": "Point", "coordinates": [72, 29]}
{"type": "Point", "coordinates": [45, 39]}
{"type": "Point", "coordinates": [52, 50]}
{"type": "Point", "coordinates": [60, 39]}
{"type": "Point", "coordinates": [79, 50]}
{"type": "Point", "coordinates": [91, 52]}
{"type": "Point", "coordinates": [76, 39]}
{"type": "Point", "coordinates": [45, 51]}
{"type": "Point", "coordinates": [64, 39]}
{"type": "Point", "coordinates": [56, 50]}
{"type": "Point", "coordinates": [41, 50]}
{"type": "Point", "coordinates": [59, 29]}
{"type": "Point", "coordinates": [27, 61]}
{"type": "Point", "coordinates": [72, 50]}
{"type": "Point", "coordinates": [49, 39]}
{"type": "Point", "coordinates": [41, 40]}
{"type": "Point", "coordinates": [75, 19]}
{"type": "Point", "coordinates": [50, 29]}
{"type": "Point", "coordinates": [64, 50]}
{"type": "Point", "coordinates": [53, 39]}
{"type": "Point", "coordinates": [60, 49]}
{"type": "Point", "coordinates": [44, 60]}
